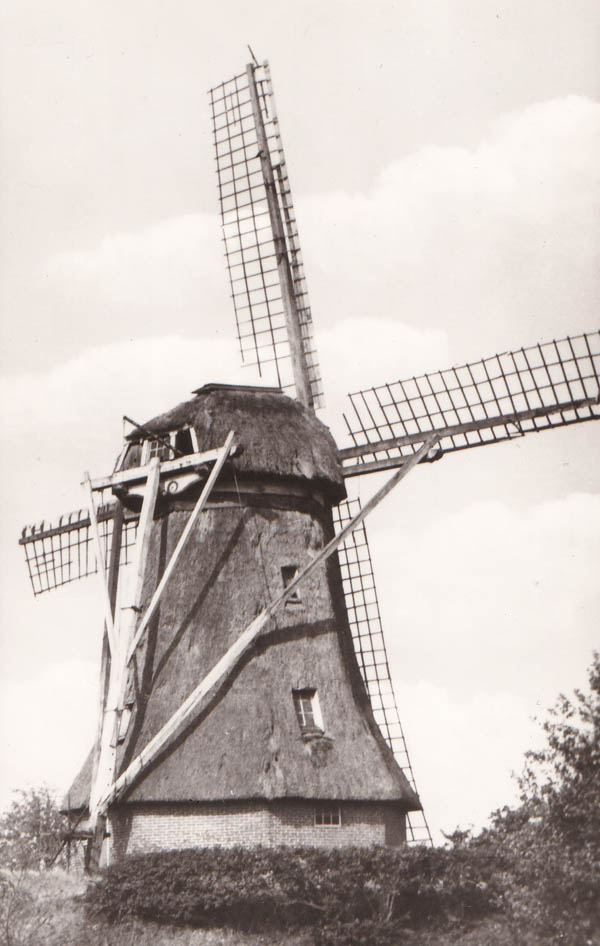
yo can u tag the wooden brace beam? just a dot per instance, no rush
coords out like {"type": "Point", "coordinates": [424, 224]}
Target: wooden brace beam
{"type": "Point", "coordinates": [139, 473]}
{"type": "Point", "coordinates": [222, 456]}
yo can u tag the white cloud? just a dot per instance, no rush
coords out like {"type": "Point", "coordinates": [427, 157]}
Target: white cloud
{"type": "Point", "coordinates": [494, 245]}
{"type": "Point", "coordinates": [514, 596]}
{"type": "Point", "coordinates": [464, 751]}
{"type": "Point", "coordinates": [47, 725]}
{"type": "Point", "coordinates": [489, 611]}
{"type": "Point", "coordinates": [172, 264]}
{"type": "Point", "coordinates": [481, 241]}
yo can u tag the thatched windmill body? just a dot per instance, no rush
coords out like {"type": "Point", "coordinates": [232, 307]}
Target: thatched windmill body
{"type": "Point", "coordinates": [245, 694]}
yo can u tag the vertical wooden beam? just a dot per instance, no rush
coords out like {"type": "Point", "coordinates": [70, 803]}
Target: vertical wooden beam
{"type": "Point", "coordinates": [107, 753]}
{"type": "Point", "coordinates": [108, 613]}
{"type": "Point", "coordinates": [301, 378]}
{"type": "Point", "coordinates": [140, 557]}
{"type": "Point", "coordinates": [107, 756]}
{"type": "Point", "coordinates": [92, 855]}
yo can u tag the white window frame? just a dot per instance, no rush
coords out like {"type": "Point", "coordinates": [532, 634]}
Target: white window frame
{"type": "Point", "coordinates": [308, 693]}
{"type": "Point", "coordinates": [172, 435]}
{"type": "Point", "coordinates": [327, 816]}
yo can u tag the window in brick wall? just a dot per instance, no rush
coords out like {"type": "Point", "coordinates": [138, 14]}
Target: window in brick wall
{"type": "Point", "coordinates": [328, 816]}
{"type": "Point", "coordinates": [308, 712]}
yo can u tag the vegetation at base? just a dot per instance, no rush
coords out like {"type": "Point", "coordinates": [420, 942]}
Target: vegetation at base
{"type": "Point", "coordinates": [536, 868]}
{"type": "Point", "coordinates": [530, 879]}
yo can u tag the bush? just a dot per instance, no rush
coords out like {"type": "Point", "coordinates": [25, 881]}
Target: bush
{"type": "Point", "coordinates": [264, 887]}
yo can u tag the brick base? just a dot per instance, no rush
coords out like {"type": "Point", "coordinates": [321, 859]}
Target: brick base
{"type": "Point", "coordinates": [140, 828]}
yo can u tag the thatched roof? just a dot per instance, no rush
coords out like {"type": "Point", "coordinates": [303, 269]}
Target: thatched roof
{"type": "Point", "coordinates": [278, 435]}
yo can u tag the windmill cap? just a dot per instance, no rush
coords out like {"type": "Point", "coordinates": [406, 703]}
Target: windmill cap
{"type": "Point", "coordinates": [279, 436]}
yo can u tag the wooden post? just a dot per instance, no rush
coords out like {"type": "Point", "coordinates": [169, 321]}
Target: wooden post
{"type": "Point", "coordinates": [105, 770]}
{"type": "Point", "coordinates": [108, 613]}
{"type": "Point", "coordinates": [229, 660]}
{"type": "Point", "coordinates": [139, 559]}
{"type": "Point", "coordinates": [92, 856]}
{"type": "Point", "coordinates": [301, 379]}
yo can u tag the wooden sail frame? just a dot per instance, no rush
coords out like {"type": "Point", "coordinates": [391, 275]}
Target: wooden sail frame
{"type": "Point", "coordinates": [57, 553]}
{"type": "Point", "coordinates": [551, 384]}
{"type": "Point", "coordinates": [260, 235]}
{"type": "Point", "coordinates": [364, 618]}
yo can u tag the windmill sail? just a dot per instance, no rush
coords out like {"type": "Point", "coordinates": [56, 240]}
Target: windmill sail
{"type": "Point", "coordinates": [549, 385]}
{"type": "Point", "coordinates": [367, 636]}
{"type": "Point", "coordinates": [61, 552]}
{"type": "Point", "coordinates": [266, 274]}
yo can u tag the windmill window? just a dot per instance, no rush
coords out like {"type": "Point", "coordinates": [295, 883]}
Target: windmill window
{"type": "Point", "coordinates": [183, 441]}
{"type": "Point", "coordinates": [161, 449]}
{"type": "Point", "coordinates": [124, 723]}
{"type": "Point", "coordinates": [170, 445]}
{"type": "Point", "coordinates": [308, 712]}
{"type": "Point", "coordinates": [133, 457]}
{"type": "Point", "coordinates": [328, 816]}
{"type": "Point", "coordinates": [288, 573]}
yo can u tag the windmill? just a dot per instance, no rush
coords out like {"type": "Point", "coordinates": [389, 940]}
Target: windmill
{"type": "Point", "coordinates": [245, 694]}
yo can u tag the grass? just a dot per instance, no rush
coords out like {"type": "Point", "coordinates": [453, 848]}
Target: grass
{"type": "Point", "coordinates": [46, 909]}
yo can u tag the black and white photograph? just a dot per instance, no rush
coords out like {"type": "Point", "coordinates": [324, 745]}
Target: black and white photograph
{"type": "Point", "coordinates": [286, 657]}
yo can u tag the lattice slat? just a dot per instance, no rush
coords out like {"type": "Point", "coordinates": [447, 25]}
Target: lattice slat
{"type": "Point", "coordinates": [61, 552]}
{"type": "Point", "coordinates": [369, 644]}
{"type": "Point", "coordinates": [548, 385]}
{"type": "Point", "coordinates": [250, 249]}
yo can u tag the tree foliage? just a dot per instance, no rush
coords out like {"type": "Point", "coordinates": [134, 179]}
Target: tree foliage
{"type": "Point", "coordinates": [31, 830]}
{"type": "Point", "coordinates": [550, 844]}
{"type": "Point", "coordinates": [561, 782]}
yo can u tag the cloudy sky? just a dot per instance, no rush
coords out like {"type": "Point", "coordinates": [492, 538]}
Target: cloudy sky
{"type": "Point", "coordinates": [445, 164]}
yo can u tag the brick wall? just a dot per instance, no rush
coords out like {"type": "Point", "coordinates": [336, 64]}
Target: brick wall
{"type": "Point", "coordinates": [146, 827]}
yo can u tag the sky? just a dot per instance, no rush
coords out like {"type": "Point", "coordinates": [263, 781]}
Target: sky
{"type": "Point", "coordinates": [444, 159]}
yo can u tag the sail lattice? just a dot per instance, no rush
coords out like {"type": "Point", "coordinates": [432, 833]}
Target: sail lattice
{"type": "Point", "coordinates": [250, 245]}
{"type": "Point", "coordinates": [367, 635]}
{"type": "Point", "coordinates": [63, 551]}
{"type": "Point", "coordinates": [531, 389]}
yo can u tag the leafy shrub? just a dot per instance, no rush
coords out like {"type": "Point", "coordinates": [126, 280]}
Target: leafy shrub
{"type": "Point", "coordinates": [266, 887]}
